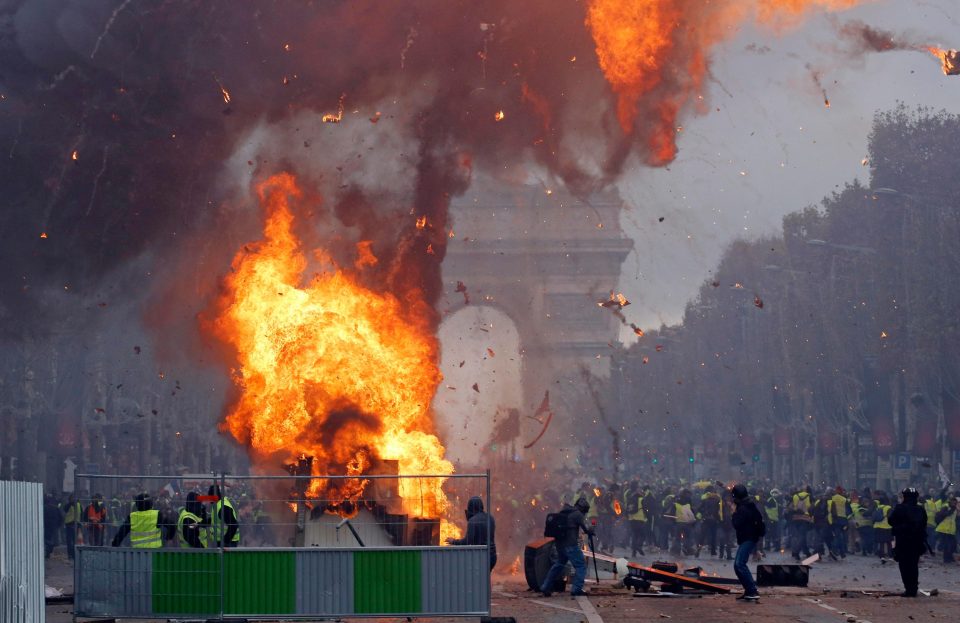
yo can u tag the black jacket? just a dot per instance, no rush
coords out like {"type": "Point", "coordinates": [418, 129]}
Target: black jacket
{"type": "Point", "coordinates": [575, 523]}
{"type": "Point", "coordinates": [477, 521]}
{"type": "Point", "coordinates": [908, 521]}
{"type": "Point", "coordinates": [748, 522]}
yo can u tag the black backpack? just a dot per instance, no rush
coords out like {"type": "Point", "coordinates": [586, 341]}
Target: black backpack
{"type": "Point", "coordinates": [557, 524]}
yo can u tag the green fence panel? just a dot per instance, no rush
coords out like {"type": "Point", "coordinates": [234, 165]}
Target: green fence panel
{"type": "Point", "coordinates": [259, 582]}
{"type": "Point", "coordinates": [387, 582]}
{"type": "Point", "coordinates": [186, 583]}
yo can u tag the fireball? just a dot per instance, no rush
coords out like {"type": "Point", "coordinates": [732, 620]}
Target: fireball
{"type": "Point", "coordinates": [327, 368]}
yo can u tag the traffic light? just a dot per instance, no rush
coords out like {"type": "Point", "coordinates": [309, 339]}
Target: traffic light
{"type": "Point", "coordinates": [756, 458]}
{"type": "Point", "coordinates": [691, 458]}
{"type": "Point", "coordinates": [756, 453]}
{"type": "Point", "coordinates": [655, 460]}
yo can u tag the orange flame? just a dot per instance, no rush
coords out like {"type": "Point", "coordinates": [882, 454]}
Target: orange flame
{"type": "Point", "coordinates": [949, 60]}
{"type": "Point", "coordinates": [596, 492]}
{"type": "Point", "coordinates": [656, 52]}
{"type": "Point", "coordinates": [617, 508]}
{"type": "Point", "coordinates": [328, 368]}
{"type": "Point", "coordinates": [334, 118]}
{"type": "Point", "coordinates": [498, 116]}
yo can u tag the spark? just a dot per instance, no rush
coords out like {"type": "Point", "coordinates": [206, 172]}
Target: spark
{"type": "Point", "coordinates": [334, 118]}
{"type": "Point", "coordinates": [422, 222]}
{"type": "Point", "coordinates": [498, 116]}
{"type": "Point", "coordinates": [43, 235]}
{"type": "Point", "coordinates": [73, 156]}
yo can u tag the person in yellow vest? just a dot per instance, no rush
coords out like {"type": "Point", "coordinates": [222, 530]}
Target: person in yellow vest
{"type": "Point", "coordinates": [636, 517]}
{"type": "Point", "coordinates": [686, 522]}
{"type": "Point", "coordinates": [881, 526]}
{"type": "Point", "coordinates": [839, 517]}
{"type": "Point", "coordinates": [224, 520]}
{"type": "Point", "coordinates": [931, 506]}
{"type": "Point", "coordinates": [771, 512]}
{"type": "Point", "coordinates": [947, 529]}
{"type": "Point", "coordinates": [192, 524]}
{"type": "Point", "coordinates": [863, 516]}
{"type": "Point", "coordinates": [710, 514]}
{"type": "Point", "coordinates": [145, 525]}
{"type": "Point", "coordinates": [72, 518]}
{"type": "Point", "coordinates": [801, 522]}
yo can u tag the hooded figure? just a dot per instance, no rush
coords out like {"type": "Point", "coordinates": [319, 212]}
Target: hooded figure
{"type": "Point", "coordinates": [477, 522]}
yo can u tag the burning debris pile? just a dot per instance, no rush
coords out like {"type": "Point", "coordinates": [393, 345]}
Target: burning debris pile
{"type": "Point", "coordinates": [328, 368]}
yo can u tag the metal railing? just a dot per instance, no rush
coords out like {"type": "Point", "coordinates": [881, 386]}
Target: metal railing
{"type": "Point", "coordinates": [309, 546]}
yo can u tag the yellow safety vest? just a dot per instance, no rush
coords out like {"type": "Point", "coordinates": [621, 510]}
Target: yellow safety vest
{"type": "Point", "coordinates": [222, 524]}
{"type": "Point", "coordinates": [144, 531]}
{"type": "Point", "coordinates": [949, 524]}
{"type": "Point", "coordinates": [185, 514]}
{"type": "Point", "coordinates": [839, 506]}
{"type": "Point", "coordinates": [639, 515]}
{"type": "Point", "coordinates": [73, 514]}
{"type": "Point", "coordinates": [883, 524]}
{"type": "Point", "coordinates": [801, 504]}
{"type": "Point", "coordinates": [684, 513]}
{"type": "Point", "coordinates": [773, 512]}
{"type": "Point", "coordinates": [931, 508]}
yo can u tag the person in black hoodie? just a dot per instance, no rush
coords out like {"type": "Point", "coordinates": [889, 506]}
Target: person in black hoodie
{"type": "Point", "coordinates": [908, 523]}
{"type": "Point", "coordinates": [477, 522]}
{"type": "Point", "coordinates": [748, 522]}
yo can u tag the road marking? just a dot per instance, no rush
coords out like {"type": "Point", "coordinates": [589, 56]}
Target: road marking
{"type": "Point", "coordinates": [588, 610]}
{"type": "Point", "coordinates": [549, 605]}
{"type": "Point", "coordinates": [826, 606]}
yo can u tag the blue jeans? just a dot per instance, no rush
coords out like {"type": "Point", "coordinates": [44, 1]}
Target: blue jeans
{"type": "Point", "coordinates": [740, 567]}
{"type": "Point", "coordinates": [574, 556]}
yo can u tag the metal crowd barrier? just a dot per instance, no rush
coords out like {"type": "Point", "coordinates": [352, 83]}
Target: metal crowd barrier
{"type": "Point", "coordinates": [378, 568]}
{"type": "Point", "coordinates": [21, 553]}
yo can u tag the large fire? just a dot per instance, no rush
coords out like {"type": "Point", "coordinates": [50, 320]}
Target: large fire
{"type": "Point", "coordinates": [328, 368]}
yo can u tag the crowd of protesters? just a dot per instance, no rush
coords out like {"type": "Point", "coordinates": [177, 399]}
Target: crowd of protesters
{"type": "Point", "coordinates": [73, 519]}
{"type": "Point", "coordinates": [695, 519]}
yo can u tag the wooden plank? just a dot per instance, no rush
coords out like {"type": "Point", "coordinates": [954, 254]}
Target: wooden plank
{"type": "Point", "coordinates": [673, 578]}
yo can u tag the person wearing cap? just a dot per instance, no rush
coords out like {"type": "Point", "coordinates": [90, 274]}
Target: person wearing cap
{"type": "Point", "coordinates": [568, 549]}
{"type": "Point", "coordinates": [748, 522]}
{"type": "Point", "coordinates": [908, 524]}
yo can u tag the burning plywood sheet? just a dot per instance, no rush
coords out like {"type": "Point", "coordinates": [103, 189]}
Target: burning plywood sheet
{"type": "Point", "coordinates": [949, 60]}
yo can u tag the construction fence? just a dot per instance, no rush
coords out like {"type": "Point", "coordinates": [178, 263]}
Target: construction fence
{"type": "Point", "coordinates": [309, 546]}
{"type": "Point", "coordinates": [21, 553]}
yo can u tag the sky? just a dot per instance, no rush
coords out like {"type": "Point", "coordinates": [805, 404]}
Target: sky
{"type": "Point", "coordinates": [768, 146]}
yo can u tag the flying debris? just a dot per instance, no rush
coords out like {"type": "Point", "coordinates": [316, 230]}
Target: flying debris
{"type": "Point", "coordinates": [616, 300]}
{"type": "Point", "coordinates": [758, 302]}
{"type": "Point", "coordinates": [461, 288]}
{"type": "Point", "coordinates": [949, 60]}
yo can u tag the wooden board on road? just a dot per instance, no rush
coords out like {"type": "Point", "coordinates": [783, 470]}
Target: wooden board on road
{"type": "Point", "coordinates": [650, 573]}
